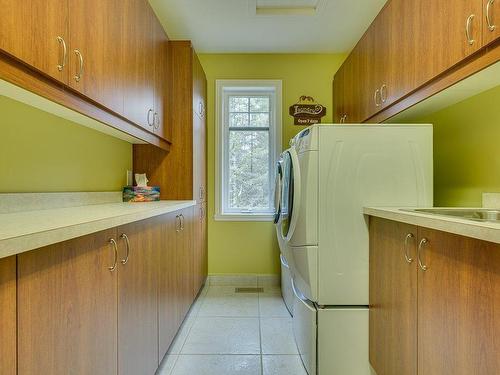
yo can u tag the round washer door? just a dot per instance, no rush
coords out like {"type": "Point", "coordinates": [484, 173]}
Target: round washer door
{"type": "Point", "coordinates": [278, 191]}
{"type": "Point", "coordinates": [290, 199]}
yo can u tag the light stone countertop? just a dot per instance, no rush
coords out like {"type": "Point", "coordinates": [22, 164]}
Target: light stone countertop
{"type": "Point", "coordinates": [28, 230]}
{"type": "Point", "coordinates": [486, 231]}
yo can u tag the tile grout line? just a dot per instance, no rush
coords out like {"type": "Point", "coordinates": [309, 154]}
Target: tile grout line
{"type": "Point", "coordinates": [260, 335]}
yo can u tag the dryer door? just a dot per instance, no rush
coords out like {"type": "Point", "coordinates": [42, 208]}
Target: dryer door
{"type": "Point", "coordinates": [278, 191]}
{"type": "Point", "coordinates": [290, 199]}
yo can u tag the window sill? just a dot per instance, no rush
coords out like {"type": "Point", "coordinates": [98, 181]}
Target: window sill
{"type": "Point", "coordinates": [244, 217]}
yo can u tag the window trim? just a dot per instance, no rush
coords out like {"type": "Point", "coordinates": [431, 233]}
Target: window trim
{"type": "Point", "coordinates": [275, 134]}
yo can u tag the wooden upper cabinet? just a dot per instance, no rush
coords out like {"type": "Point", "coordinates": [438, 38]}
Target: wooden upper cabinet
{"type": "Point", "coordinates": [199, 87]}
{"type": "Point", "coordinates": [67, 303]}
{"type": "Point", "coordinates": [161, 123]}
{"type": "Point", "coordinates": [138, 62]}
{"type": "Point", "coordinates": [491, 28]}
{"type": "Point", "coordinates": [458, 305]}
{"type": "Point", "coordinates": [95, 56]}
{"type": "Point", "coordinates": [338, 96]}
{"type": "Point", "coordinates": [8, 316]}
{"type": "Point", "coordinates": [137, 299]}
{"type": "Point", "coordinates": [440, 35]}
{"type": "Point", "coordinates": [36, 32]}
{"type": "Point", "coordinates": [393, 298]}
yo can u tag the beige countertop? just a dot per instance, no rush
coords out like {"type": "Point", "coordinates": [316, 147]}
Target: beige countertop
{"type": "Point", "coordinates": [28, 230]}
{"type": "Point", "coordinates": [486, 231]}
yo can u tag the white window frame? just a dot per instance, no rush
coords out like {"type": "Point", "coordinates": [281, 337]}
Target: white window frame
{"type": "Point", "coordinates": [247, 87]}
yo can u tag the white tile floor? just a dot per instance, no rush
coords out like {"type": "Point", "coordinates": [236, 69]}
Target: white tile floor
{"type": "Point", "coordinates": [230, 333]}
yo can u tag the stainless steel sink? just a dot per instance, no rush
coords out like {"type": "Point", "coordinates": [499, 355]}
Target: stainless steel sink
{"type": "Point", "coordinates": [488, 215]}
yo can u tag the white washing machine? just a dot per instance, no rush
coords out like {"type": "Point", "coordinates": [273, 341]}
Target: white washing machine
{"type": "Point", "coordinates": [336, 171]}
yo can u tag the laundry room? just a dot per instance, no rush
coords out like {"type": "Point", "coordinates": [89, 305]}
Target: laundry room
{"type": "Point", "coordinates": [250, 187]}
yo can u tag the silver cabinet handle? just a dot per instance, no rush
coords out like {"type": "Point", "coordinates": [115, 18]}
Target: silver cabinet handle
{"type": "Point", "coordinates": [202, 213]}
{"type": "Point", "coordinates": [127, 242]}
{"type": "Point", "coordinates": [78, 76]}
{"type": "Point", "coordinates": [419, 253]}
{"type": "Point", "coordinates": [383, 93]}
{"type": "Point", "coordinates": [115, 248]}
{"type": "Point", "coordinates": [343, 118]}
{"type": "Point", "coordinates": [150, 111]}
{"type": "Point", "coordinates": [177, 223]}
{"type": "Point", "coordinates": [468, 32]}
{"type": "Point", "coordinates": [375, 97]}
{"type": "Point", "coordinates": [156, 120]}
{"type": "Point", "coordinates": [409, 237]}
{"type": "Point", "coordinates": [182, 221]}
{"type": "Point", "coordinates": [62, 64]}
{"type": "Point", "coordinates": [491, 25]}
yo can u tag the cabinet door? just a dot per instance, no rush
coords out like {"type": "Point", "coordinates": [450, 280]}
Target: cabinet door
{"type": "Point", "coordinates": [167, 303]}
{"type": "Point", "coordinates": [67, 304]}
{"type": "Point", "coordinates": [393, 298]}
{"type": "Point", "coordinates": [30, 31]}
{"type": "Point", "coordinates": [184, 259]}
{"type": "Point", "coordinates": [458, 305]}
{"type": "Point", "coordinates": [138, 54]}
{"type": "Point", "coordinates": [491, 28]}
{"type": "Point", "coordinates": [137, 300]}
{"type": "Point", "coordinates": [338, 96]}
{"type": "Point", "coordinates": [440, 35]}
{"type": "Point", "coordinates": [8, 329]}
{"type": "Point", "coordinates": [161, 81]}
{"type": "Point", "coordinates": [396, 49]}
{"type": "Point", "coordinates": [199, 158]}
{"type": "Point", "coordinates": [95, 31]}
{"type": "Point", "coordinates": [200, 259]}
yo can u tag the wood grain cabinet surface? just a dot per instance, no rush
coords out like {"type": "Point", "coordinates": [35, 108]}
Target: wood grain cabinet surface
{"type": "Point", "coordinates": [409, 48]}
{"type": "Point", "coordinates": [111, 54]}
{"type": "Point", "coordinates": [67, 308]}
{"type": "Point", "coordinates": [8, 316]}
{"type": "Point", "coordinates": [37, 33]}
{"type": "Point", "coordinates": [434, 302]}
{"type": "Point", "coordinates": [106, 303]}
{"type": "Point", "coordinates": [137, 299]}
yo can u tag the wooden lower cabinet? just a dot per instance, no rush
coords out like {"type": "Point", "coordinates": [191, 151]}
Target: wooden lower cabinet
{"type": "Point", "coordinates": [184, 259]}
{"type": "Point", "coordinates": [437, 316]}
{"type": "Point", "coordinates": [393, 298]}
{"type": "Point", "coordinates": [168, 321]}
{"type": "Point", "coordinates": [8, 310]}
{"type": "Point", "coordinates": [458, 305]}
{"type": "Point", "coordinates": [86, 306]}
{"type": "Point", "coordinates": [200, 248]}
{"type": "Point", "coordinates": [137, 299]}
{"type": "Point", "coordinates": [67, 303]}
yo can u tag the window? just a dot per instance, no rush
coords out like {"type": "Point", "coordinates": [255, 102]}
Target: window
{"type": "Point", "coordinates": [248, 142]}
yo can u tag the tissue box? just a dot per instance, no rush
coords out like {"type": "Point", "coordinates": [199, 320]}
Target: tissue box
{"type": "Point", "coordinates": [141, 194]}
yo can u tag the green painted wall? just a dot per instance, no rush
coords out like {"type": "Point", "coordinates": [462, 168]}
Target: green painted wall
{"type": "Point", "coordinates": [250, 247]}
{"type": "Point", "coordinates": [40, 152]}
{"type": "Point", "coordinates": [466, 150]}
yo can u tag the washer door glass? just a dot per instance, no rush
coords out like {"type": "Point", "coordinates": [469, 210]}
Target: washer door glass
{"type": "Point", "coordinates": [287, 194]}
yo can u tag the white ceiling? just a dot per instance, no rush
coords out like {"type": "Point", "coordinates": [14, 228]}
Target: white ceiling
{"type": "Point", "coordinates": [281, 26]}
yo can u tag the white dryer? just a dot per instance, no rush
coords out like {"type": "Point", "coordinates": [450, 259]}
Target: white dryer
{"type": "Point", "coordinates": [336, 171]}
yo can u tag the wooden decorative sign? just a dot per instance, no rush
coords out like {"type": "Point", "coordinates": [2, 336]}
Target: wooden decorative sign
{"type": "Point", "coordinates": [307, 111]}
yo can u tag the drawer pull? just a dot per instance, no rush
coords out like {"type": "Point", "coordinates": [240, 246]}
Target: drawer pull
{"type": "Point", "coordinates": [409, 237]}
{"type": "Point", "coordinates": [127, 242]}
{"type": "Point", "coordinates": [115, 249]}
{"type": "Point", "coordinates": [383, 93]}
{"type": "Point", "coordinates": [62, 64]}
{"type": "Point", "coordinates": [491, 25]}
{"type": "Point", "coordinates": [468, 31]}
{"type": "Point", "coordinates": [376, 95]}
{"type": "Point", "coordinates": [78, 76]}
{"type": "Point", "coordinates": [421, 245]}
